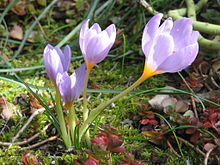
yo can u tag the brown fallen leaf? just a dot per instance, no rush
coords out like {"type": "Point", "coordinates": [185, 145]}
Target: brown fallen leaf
{"type": "Point", "coordinates": [4, 56]}
{"type": "Point", "coordinates": [16, 32]}
{"type": "Point", "coordinates": [19, 8]}
{"type": "Point", "coordinates": [6, 109]}
{"type": "Point", "coordinates": [34, 102]}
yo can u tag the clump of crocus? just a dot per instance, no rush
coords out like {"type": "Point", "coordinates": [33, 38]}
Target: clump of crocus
{"type": "Point", "coordinates": [95, 43]}
{"type": "Point", "coordinates": [170, 47]}
{"type": "Point", "coordinates": [67, 87]}
{"type": "Point", "coordinates": [56, 61]}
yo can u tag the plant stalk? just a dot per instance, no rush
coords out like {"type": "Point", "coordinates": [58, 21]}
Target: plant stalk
{"type": "Point", "coordinates": [85, 109]}
{"type": "Point", "coordinates": [65, 136]}
{"type": "Point", "coordinates": [93, 114]}
{"type": "Point", "coordinates": [72, 121]}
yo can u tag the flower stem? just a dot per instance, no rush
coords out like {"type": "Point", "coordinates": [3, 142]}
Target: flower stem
{"type": "Point", "coordinates": [100, 108]}
{"type": "Point", "coordinates": [85, 110]}
{"type": "Point", "coordinates": [72, 121]}
{"type": "Point", "coordinates": [65, 136]}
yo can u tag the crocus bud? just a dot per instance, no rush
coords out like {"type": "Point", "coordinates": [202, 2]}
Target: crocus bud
{"type": "Point", "coordinates": [56, 61]}
{"type": "Point", "coordinates": [70, 87]}
{"type": "Point", "coordinates": [170, 47]}
{"type": "Point", "coordinates": [95, 43]}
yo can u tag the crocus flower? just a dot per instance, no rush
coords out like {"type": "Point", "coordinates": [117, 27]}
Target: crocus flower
{"type": "Point", "coordinates": [56, 61]}
{"type": "Point", "coordinates": [70, 87]}
{"type": "Point", "coordinates": [95, 43]}
{"type": "Point", "coordinates": [170, 47]}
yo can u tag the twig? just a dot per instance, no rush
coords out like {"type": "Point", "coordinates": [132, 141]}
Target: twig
{"type": "Point", "coordinates": [148, 7]}
{"type": "Point", "coordinates": [194, 106]}
{"type": "Point", "coordinates": [192, 146]}
{"type": "Point", "coordinates": [208, 44]}
{"type": "Point", "coordinates": [207, 156]}
{"type": "Point", "coordinates": [198, 7]}
{"type": "Point", "coordinates": [191, 12]}
{"type": "Point", "coordinates": [27, 140]}
{"type": "Point", "coordinates": [171, 147]}
{"type": "Point", "coordinates": [41, 28]}
{"type": "Point", "coordinates": [4, 127]}
{"type": "Point", "coordinates": [40, 143]}
{"type": "Point", "coordinates": [27, 123]}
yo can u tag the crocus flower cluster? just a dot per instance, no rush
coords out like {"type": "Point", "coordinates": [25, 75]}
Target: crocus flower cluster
{"type": "Point", "coordinates": [169, 47]}
{"type": "Point", "coordinates": [57, 64]}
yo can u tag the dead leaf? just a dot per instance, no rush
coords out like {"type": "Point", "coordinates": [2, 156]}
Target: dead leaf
{"type": "Point", "coordinates": [19, 8]}
{"type": "Point", "coordinates": [34, 102]}
{"type": "Point", "coordinates": [16, 32]}
{"type": "Point", "coordinates": [156, 101]}
{"type": "Point", "coordinates": [21, 99]}
{"type": "Point", "coordinates": [6, 109]}
{"type": "Point", "coordinates": [4, 56]}
{"type": "Point", "coordinates": [181, 106]}
{"type": "Point", "coordinates": [209, 146]}
{"type": "Point", "coordinates": [29, 159]}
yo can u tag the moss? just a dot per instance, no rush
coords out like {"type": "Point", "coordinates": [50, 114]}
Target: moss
{"type": "Point", "coordinates": [10, 156]}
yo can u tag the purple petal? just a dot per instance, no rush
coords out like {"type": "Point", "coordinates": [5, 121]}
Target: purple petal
{"type": "Point", "coordinates": [151, 30]}
{"type": "Point", "coordinates": [67, 57]}
{"type": "Point", "coordinates": [83, 32]}
{"type": "Point", "coordinates": [70, 87]}
{"type": "Point", "coordinates": [181, 32]}
{"type": "Point", "coordinates": [96, 27]}
{"type": "Point", "coordinates": [194, 37]}
{"type": "Point", "coordinates": [96, 45]}
{"type": "Point", "coordinates": [84, 41]}
{"type": "Point", "coordinates": [111, 30]}
{"type": "Point", "coordinates": [80, 80]}
{"type": "Point", "coordinates": [166, 26]}
{"type": "Point", "coordinates": [163, 47]}
{"type": "Point", "coordinates": [84, 28]}
{"type": "Point", "coordinates": [64, 85]}
{"type": "Point", "coordinates": [48, 48]}
{"type": "Point", "coordinates": [180, 60]}
{"type": "Point", "coordinates": [52, 62]}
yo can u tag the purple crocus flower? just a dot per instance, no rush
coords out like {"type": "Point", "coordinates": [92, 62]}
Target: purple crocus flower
{"type": "Point", "coordinates": [70, 87]}
{"type": "Point", "coordinates": [56, 61]}
{"type": "Point", "coordinates": [170, 47]}
{"type": "Point", "coordinates": [95, 43]}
